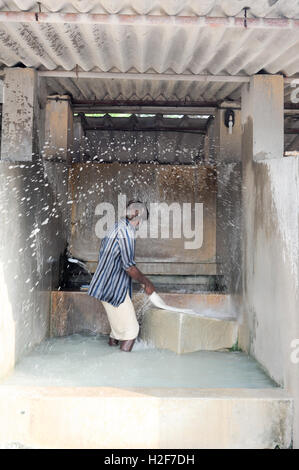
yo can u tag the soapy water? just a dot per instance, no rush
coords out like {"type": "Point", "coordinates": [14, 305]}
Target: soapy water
{"type": "Point", "coordinates": [210, 313]}
{"type": "Point", "coordinates": [157, 301]}
{"type": "Point", "coordinates": [89, 361]}
{"type": "Point", "coordinates": [144, 303]}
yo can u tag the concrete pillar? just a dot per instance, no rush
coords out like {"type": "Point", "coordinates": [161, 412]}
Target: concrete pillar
{"type": "Point", "coordinates": [262, 116]}
{"type": "Point", "coordinates": [20, 115]}
{"type": "Point", "coordinates": [79, 139]}
{"type": "Point", "coordinates": [227, 145]}
{"type": "Point", "coordinates": [270, 238]}
{"type": "Point", "coordinates": [209, 141]}
{"type": "Point", "coordinates": [228, 156]}
{"type": "Point", "coordinates": [58, 128]}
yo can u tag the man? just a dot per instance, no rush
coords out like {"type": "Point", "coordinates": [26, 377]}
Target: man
{"type": "Point", "coordinates": [112, 280]}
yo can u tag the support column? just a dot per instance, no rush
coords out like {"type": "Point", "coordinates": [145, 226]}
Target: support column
{"type": "Point", "coordinates": [58, 128]}
{"type": "Point", "coordinates": [227, 155]}
{"type": "Point", "coordinates": [270, 324]}
{"type": "Point", "coordinates": [79, 139]}
{"type": "Point", "coordinates": [20, 115]}
{"type": "Point", "coordinates": [262, 116]}
{"type": "Point", "coordinates": [228, 144]}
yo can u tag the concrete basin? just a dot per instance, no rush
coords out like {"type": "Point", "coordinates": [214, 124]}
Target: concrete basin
{"type": "Point", "coordinates": [184, 333]}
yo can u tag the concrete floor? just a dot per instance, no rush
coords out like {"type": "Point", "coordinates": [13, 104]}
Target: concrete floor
{"type": "Point", "coordinates": [87, 361]}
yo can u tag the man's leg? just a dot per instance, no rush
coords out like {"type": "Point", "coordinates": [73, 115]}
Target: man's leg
{"type": "Point", "coordinates": [113, 341]}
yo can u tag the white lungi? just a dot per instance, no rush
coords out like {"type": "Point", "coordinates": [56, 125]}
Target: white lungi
{"type": "Point", "coordinates": [122, 319]}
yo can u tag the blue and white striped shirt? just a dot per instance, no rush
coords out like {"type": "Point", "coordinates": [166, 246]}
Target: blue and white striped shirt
{"type": "Point", "coordinates": [110, 281]}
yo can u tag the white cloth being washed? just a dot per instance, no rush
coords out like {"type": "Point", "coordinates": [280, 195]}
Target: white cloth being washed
{"type": "Point", "coordinates": [157, 301]}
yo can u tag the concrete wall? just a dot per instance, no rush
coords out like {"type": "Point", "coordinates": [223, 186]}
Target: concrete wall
{"type": "Point", "coordinates": [227, 148]}
{"type": "Point", "coordinates": [58, 128]}
{"type": "Point", "coordinates": [271, 268]}
{"type": "Point", "coordinates": [142, 146]}
{"type": "Point", "coordinates": [229, 224]}
{"type": "Point", "coordinates": [23, 116]}
{"type": "Point", "coordinates": [92, 184]}
{"type": "Point", "coordinates": [270, 237]}
{"type": "Point", "coordinates": [32, 236]}
{"type": "Point", "coordinates": [224, 150]}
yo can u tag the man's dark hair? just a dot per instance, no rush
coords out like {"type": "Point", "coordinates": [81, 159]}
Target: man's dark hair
{"type": "Point", "coordinates": [140, 206]}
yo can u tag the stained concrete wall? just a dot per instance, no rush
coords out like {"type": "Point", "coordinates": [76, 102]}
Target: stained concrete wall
{"type": "Point", "coordinates": [224, 150]}
{"type": "Point", "coordinates": [58, 128]}
{"type": "Point", "coordinates": [229, 226]}
{"type": "Point", "coordinates": [227, 146]}
{"type": "Point", "coordinates": [23, 116]}
{"type": "Point", "coordinates": [271, 270]}
{"type": "Point", "coordinates": [145, 147]}
{"type": "Point", "coordinates": [270, 245]}
{"type": "Point", "coordinates": [80, 140]}
{"type": "Point", "coordinates": [209, 141]}
{"type": "Point", "coordinates": [92, 184]}
{"type": "Point", "coordinates": [32, 236]}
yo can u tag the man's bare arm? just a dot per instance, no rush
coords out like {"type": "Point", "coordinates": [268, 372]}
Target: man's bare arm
{"type": "Point", "coordinates": [137, 275]}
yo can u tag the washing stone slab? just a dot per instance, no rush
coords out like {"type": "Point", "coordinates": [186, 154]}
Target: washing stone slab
{"type": "Point", "coordinates": [184, 333]}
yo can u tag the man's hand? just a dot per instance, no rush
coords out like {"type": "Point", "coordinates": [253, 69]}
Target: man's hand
{"type": "Point", "coordinates": [149, 287]}
{"type": "Point", "coordinates": [140, 277]}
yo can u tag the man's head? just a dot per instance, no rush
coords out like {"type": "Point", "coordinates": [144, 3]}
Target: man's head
{"type": "Point", "coordinates": [136, 212]}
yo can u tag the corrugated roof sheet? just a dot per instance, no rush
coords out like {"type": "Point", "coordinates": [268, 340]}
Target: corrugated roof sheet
{"type": "Point", "coordinates": [157, 49]}
{"type": "Point", "coordinates": [143, 90]}
{"type": "Point", "coordinates": [258, 8]}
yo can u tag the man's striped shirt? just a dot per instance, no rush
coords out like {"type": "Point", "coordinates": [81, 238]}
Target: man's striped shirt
{"type": "Point", "coordinates": [110, 281]}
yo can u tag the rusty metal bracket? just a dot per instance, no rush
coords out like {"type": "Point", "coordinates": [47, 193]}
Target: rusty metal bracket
{"type": "Point", "coordinates": [39, 11]}
{"type": "Point", "coordinates": [245, 16]}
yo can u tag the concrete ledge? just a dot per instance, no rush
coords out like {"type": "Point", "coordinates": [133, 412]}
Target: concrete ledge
{"type": "Point", "coordinates": [107, 418]}
{"type": "Point", "coordinates": [183, 333]}
{"type": "Point", "coordinates": [76, 312]}
{"type": "Point", "coordinates": [162, 268]}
